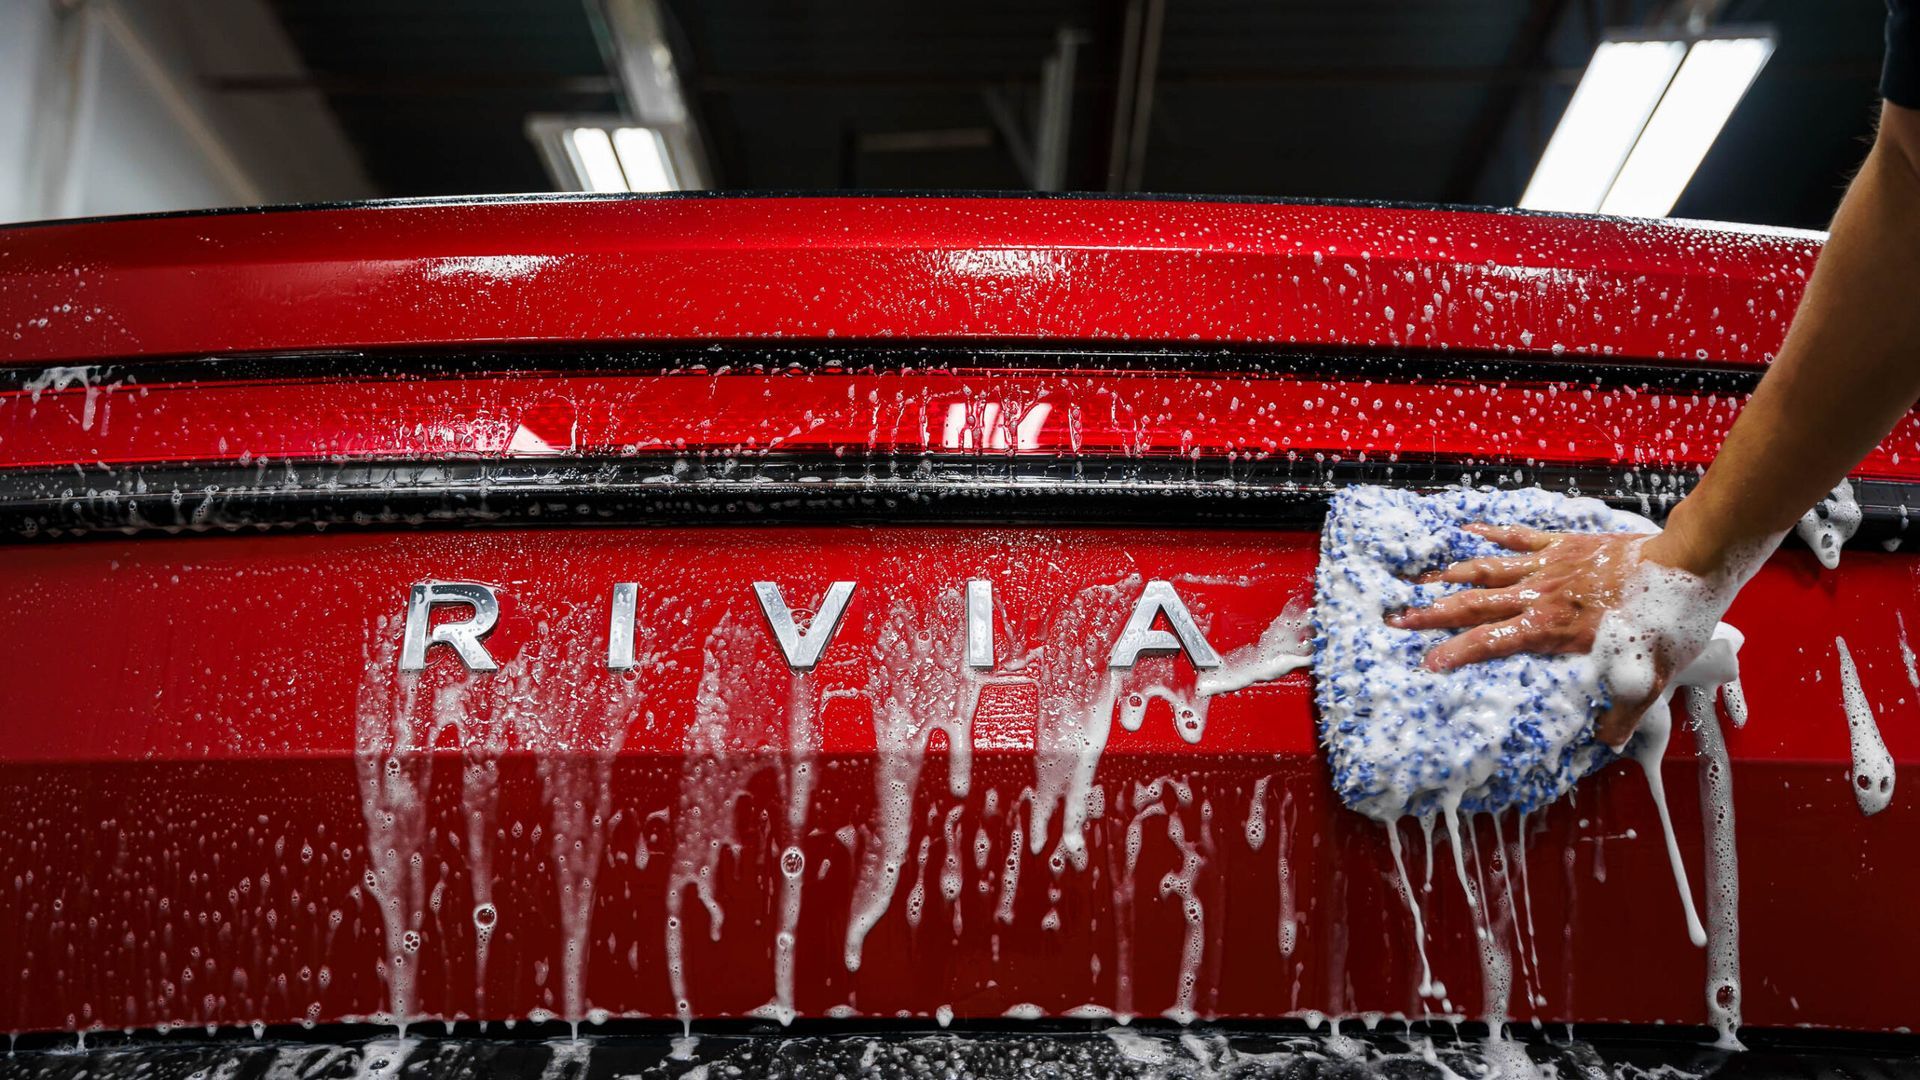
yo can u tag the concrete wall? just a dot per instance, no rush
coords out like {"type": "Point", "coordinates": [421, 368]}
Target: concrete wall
{"type": "Point", "coordinates": [112, 107]}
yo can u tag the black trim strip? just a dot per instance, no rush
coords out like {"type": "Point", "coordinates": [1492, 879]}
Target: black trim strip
{"type": "Point", "coordinates": [683, 491]}
{"type": "Point", "coordinates": [752, 357]}
{"type": "Point", "coordinates": [563, 197]}
{"type": "Point", "coordinates": [984, 1048]}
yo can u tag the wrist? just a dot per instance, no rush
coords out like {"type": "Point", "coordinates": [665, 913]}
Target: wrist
{"type": "Point", "coordinates": [1691, 544]}
{"type": "Point", "coordinates": [1711, 542]}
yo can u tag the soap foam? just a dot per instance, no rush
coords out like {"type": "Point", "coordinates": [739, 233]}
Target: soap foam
{"type": "Point", "coordinates": [1510, 733]}
{"type": "Point", "coordinates": [1872, 773]}
{"type": "Point", "coordinates": [1828, 526]}
{"type": "Point", "coordinates": [1514, 732]}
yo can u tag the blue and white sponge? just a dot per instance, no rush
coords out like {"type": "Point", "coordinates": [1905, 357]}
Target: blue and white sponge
{"type": "Point", "coordinates": [1516, 732]}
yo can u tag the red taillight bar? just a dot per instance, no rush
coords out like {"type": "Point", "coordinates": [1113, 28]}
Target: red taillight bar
{"type": "Point", "coordinates": [969, 412]}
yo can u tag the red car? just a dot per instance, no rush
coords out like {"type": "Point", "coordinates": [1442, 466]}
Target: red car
{"type": "Point", "coordinates": [593, 610]}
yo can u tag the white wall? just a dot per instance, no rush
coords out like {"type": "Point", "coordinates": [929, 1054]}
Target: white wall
{"type": "Point", "coordinates": [26, 44]}
{"type": "Point", "coordinates": [105, 108]}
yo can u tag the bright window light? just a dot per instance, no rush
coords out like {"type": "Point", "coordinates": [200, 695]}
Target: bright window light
{"type": "Point", "coordinates": [1641, 121]}
{"type": "Point", "coordinates": [1609, 108]}
{"type": "Point", "coordinates": [1714, 78]}
{"type": "Point", "coordinates": [593, 157]}
{"type": "Point", "coordinates": [643, 157]}
{"type": "Point", "coordinates": [609, 153]}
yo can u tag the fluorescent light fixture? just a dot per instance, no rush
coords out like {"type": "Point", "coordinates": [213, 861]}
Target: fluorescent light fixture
{"type": "Point", "coordinates": [1641, 120]}
{"type": "Point", "coordinates": [643, 157]}
{"type": "Point", "coordinates": [604, 153]}
{"type": "Point", "coordinates": [594, 159]}
{"type": "Point", "coordinates": [1714, 78]}
{"type": "Point", "coordinates": [1608, 111]}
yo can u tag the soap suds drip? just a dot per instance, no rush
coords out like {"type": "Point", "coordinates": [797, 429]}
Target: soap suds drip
{"type": "Point", "coordinates": [95, 384]}
{"type": "Point", "coordinates": [1180, 883]}
{"type": "Point", "coordinates": [1283, 648]}
{"type": "Point", "coordinates": [1664, 610]}
{"type": "Point", "coordinates": [577, 789]}
{"type": "Point", "coordinates": [919, 683]}
{"type": "Point", "coordinates": [1649, 749]}
{"type": "Point", "coordinates": [1147, 802]}
{"type": "Point", "coordinates": [394, 771]}
{"type": "Point", "coordinates": [1734, 696]}
{"type": "Point", "coordinates": [1828, 526]}
{"type": "Point", "coordinates": [1280, 651]}
{"type": "Point", "coordinates": [1426, 835]}
{"type": "Point", "coordinates": [724, 748]}
{"type": "Point", "coordinates": [1289, 921]}
{"type": "Point", "coordinates": [802, 747]}
{"type": "Point", "coordinates": [1906, 654]}
{"type": "Point", "coordinates": [1519, 856]}
{"type": "Point", "coordinates": [1872, 775]}
{"type": "Point", "coordinates": [573, 748]}
{"type": "Point", "coordinates": [480, 806]}
{"type": "Point", "coordinates": [950, 868]}
{"type": "Point", "coordinates": [1010, 872]}
{"type": "Point", "coordinates": [1426, 988]}
{"type": "Point", "coordinates": [1256, 828]}
{"type": "Point", "coordinates": [1452, 818]}
{"type": "Point", "coordinates": [1492, 918]}
{"type": "Point", "coordinates": [1079, 693]}
{"type": "Point", "coordinates": [1503, 859]}
{"type": "Point", "coordinates": [572, 740]}
{"type": "Point", "coordinates": [1722, 872]}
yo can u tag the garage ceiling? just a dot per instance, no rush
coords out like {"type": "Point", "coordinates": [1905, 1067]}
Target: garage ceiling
{"type": "Point", "coordinates": [1371, 99]}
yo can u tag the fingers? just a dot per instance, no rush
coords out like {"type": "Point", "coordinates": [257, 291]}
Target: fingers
{"type": "Point", "coordinates": [1496, 570]}
{"type": "Point", "coordinates": [1617, 724]}
{"type": "Point", "coordinates": [1517, 537]}
{"type": "Point", "coordinates": [1488, 641]}
{"type": "Point", "coordinates": [1622, 718]}
{"type": "Point", "coordinates": [1491, 571]}
{"type": "Point", "coordinates": [1469, 608]}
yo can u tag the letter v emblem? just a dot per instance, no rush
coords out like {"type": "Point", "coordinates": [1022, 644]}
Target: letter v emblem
{"type": "Point", "coordinates": [803, 649]}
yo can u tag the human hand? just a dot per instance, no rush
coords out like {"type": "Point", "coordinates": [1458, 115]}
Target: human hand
{"type": "Point", "coordinates": [1548, 597]}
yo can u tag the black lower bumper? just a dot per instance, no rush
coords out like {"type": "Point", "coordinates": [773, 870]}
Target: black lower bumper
{"type": "Point", "coordinates": [830, 1050]}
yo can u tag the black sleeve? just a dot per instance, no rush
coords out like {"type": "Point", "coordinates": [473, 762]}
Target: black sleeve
{"type": "Point", "coordinates": [1900, 77]}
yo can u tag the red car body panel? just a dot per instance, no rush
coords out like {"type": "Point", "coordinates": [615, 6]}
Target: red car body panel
{"type": "Point", "coordinates": [228, 805]}
{"type": "Point", "coordinates": [703, 269]}
{"type": "Point", "coordinates": [992, 412]}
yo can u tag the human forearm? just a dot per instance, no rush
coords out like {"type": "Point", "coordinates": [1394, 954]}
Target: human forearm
{"type": "Point", "coordinates": [1848, 370]}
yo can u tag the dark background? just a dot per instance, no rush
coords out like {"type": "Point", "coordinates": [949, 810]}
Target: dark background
{"type": "Point", "coordinates": [1371, 99]}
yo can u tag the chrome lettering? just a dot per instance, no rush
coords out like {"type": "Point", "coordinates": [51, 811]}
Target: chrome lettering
{"type": "Point", "coordinates": [463, 636]}
{"type": "Point", "coordinates": [620, 626]}
{"type": "Point", "coordinates": [1139, 636]}
{"type": "Point", "coordinates": [803, 648]}
{"type": "Point", "coordinates": [980, 624]}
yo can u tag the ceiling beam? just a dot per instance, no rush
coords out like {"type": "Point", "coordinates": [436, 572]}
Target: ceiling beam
{"type": "Point", "coordinates": [395, 84]}
{"type": "Point", "coordinates": [1133, 94]}
{"type": "Point", "coordinates": [1865, 68]}
{"type": "Point", "coordinates": [1527, 55]}
{"type": "Point", "coordinates": [640, 54]}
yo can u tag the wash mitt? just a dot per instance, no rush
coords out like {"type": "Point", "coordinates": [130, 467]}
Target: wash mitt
{"type": "Point", "coordinates": [1516, 732]}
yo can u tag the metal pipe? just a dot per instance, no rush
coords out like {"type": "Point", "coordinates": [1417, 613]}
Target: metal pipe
{"type": "Point", "coordinates": [1123, 92]}
{"type": "Point", "coordinates": [1053, 126]}
{"type": "Point", "coordinates": [1156, 18]}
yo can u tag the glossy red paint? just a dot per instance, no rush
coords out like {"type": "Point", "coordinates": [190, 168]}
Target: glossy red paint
{"type": "Point", "coordinates": [703, 269]}
{"type": "Point", "coordinates": [190, 830]}
{"type": "Point", "coordinates": [194, 744]}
